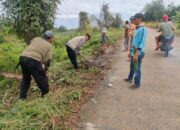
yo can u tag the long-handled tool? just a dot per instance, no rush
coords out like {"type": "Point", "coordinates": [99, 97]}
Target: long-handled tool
{"type": "Point", "coordinates": [11, 75]}
{"type": "Point", "coordinates": [90, 62]}
{"type": "Point", "coordinates": [87, 59]}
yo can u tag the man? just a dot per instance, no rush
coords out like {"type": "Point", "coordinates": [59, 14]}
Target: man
{"type": "Point", "coordinates": [137, 51]}
{"type": "Point", "coordinates": [126, 36]}
{"type": "Point", "coordinates": [167, 30]}
{"type": "Point", "coordinates": [132, 30]}
{"type": "Point", "coordinates": [32, 60]}
{"type": "Point", "coordinates": [104, 36]}
{"type": "Point", "coordinates": [73, 48]}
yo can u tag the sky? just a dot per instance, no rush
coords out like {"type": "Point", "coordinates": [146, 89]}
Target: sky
{"type": "Point", "coordinates": [69, 10]}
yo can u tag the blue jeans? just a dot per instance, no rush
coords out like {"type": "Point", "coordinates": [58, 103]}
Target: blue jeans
{"type": "Point", "coordinates": [167, 44]}
{"type": "Point", "coordinates": [136, 74]}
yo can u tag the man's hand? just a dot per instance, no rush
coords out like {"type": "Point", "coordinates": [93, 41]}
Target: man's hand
{"type": "Point", "coordinates": [135, 58]}
{"type": "Point", "coordinates": [129, 55]}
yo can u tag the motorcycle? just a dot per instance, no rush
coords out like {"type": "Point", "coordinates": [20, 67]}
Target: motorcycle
{"type": "Point", "coordinates": [165, 45]}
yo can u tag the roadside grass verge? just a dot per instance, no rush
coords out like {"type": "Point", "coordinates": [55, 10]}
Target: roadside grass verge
{"type": "Point", "coordinates": [153, 25]}
{"type": "Point", "coordinates": [68, 88]}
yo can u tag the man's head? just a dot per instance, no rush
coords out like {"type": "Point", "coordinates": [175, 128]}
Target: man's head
{"type": "Point", "coordinates": [87, 37]}
{"type": "Point", "coordinates": [132, 19]}
{"type": "Point", "coordinates": [138, 18]}
{"type": "Point", "coordinates": [126, 22]}
{"type": "Point", "coordinates": [165, 18]}
{"type": "Point", "coordinates": [49, 36]}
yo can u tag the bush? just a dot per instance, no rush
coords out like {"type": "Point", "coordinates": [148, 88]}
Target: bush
{"type": "Point", "coordinates": [2, 39]}
{"type": "Point", "coordinates": [178, 26]}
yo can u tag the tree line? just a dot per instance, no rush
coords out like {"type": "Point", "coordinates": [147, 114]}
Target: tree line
{"type": "Point", "coordinates": [154, 11]}
{"type": "Point", "coordinates": [106, 18]}
{"type": "Point", "coordinates": [30, 18]}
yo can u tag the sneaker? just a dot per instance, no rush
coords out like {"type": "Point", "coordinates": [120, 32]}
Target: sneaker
{"type": "Point", "coordinates": [134, 86]}
{"type": "Point", "coordinates": [128, 80]}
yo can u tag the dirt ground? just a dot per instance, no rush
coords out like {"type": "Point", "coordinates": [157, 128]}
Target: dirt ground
{"type": "Point", "coordinates": [155, 106]}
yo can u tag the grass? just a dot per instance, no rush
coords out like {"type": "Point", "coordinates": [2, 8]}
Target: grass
{"type": "Point", "coordinates": [153, 25]}
{"type": "Point", "coordinates": [178, 29]}
{"type": "Point", "coordinates": [68, 89]}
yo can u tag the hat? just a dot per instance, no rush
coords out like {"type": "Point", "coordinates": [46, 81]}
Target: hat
{"type": "Point", "coordinates": [139, 16]}
{"type": "Point", "coordinates": [48, 34]}
{"type": "Point", "coordinates": [165, 18]}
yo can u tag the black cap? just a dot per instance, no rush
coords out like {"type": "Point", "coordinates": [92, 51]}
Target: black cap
{"type": "Point", "coordinates": [131, 18]}
{"type": "Point", "coordinates": [139, 16]}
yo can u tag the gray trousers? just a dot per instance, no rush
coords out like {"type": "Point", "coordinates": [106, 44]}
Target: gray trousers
{"type": "Point", "coordinates": [126, 42]}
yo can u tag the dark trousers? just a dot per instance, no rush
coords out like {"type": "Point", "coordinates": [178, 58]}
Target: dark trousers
{"type": "Point", "coordinates": [136, 73]}
{"type": "Point", "coordinates": [31, 67]}
{"type": "Point", "coordinates": [104, 38]}
{"type": "Point", "coordinates": [72, 56]}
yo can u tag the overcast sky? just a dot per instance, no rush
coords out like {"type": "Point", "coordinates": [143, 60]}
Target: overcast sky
{"type": "Point", "coordinates": [69, 9]}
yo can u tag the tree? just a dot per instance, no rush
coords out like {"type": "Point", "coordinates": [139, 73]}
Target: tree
{"type": "Point", "coordinates": [93, 18]}
{"type": "Point", "coordinates": [177, 18]}
{"type": "Point", "coordinates": [31, 17]}
{"type": "Point", "coordinates": [62, 29]}
{"type": "Point", "coordinates": [154, 11]}
{"type": "Point", "coordinates": [6, 25]}
{"type": "Point", "coordinates": [83, 21]}
{"type": "Point", "coordinates": [105, 14]}
{"type": "Point", "coordinates": [117, 22]}
{"type": "Point", "coordinates": [172, 10]}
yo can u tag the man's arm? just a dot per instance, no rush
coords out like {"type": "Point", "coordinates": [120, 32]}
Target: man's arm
{"type": "Point", "coordinates": [48, 59]}
{"type": "Point", "coordinates": [142, 35]}
{"type": "Point", "coordinates": [78, 50]}
{"type": "Point", "coordinates": [142, 41]}
{"type": "Point", "coordinates": [159, 28]}
{"type": "Point", "coordinates": [173, 27]}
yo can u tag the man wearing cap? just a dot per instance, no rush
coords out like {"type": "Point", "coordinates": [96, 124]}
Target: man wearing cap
{"type": "Point", "coordinates": [73, 48]}
{"type": "Point", "coordinates": [104, 36]}
{"type": "Point", "coordinates": [126, 36]}
{"type": "Point", "coordinates": [137, 51]}
{"type": "Point", "coordinates": [34, 61]}
{"type": "Point", "coordinates": [167, 30]}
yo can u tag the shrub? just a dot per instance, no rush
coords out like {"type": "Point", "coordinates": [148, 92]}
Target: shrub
{"type": "Point", "coordinates": [2, 40]}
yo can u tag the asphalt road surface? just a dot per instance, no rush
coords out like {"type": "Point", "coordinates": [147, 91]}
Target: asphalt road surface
{"type": "Point", "coordinates": [155, 106]}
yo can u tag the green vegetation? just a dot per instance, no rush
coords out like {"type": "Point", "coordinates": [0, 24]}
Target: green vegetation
{"type": "Point", "coordinates": [152, 24]}
{"type": "Point", "coordinates": [68, 88]}
{"type": "Point", "coordinates": [156, 9]}
{"type": "Point", "coordinates": [107, 18]}
{"type": "Point", "coordinates": [30, 18]}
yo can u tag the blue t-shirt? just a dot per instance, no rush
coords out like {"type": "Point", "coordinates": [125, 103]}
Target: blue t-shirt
{"type": "Point", "coordinates": [139, 40]}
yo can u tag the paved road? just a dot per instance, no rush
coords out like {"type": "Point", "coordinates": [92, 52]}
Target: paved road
{"type": "Point", "coordinates": [155, 106]}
